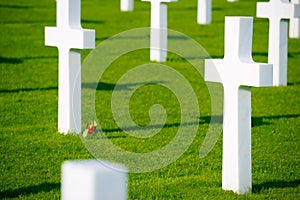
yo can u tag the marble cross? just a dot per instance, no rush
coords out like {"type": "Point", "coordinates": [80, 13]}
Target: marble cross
{"type": "Point", "coordinates": [159, 30]}
{"type": "Point", "coordinates": [126, 5]}
{"type": "Point", "coordinates": [238, 73]}
{"type": "Point", "coordinates": [68, 37]}
{"type": "Point", "coordinates": [295, 24]}
{"type": "Point", "coordinates": [204, 12]}
{"type": "Point", "coordinates": [277, 11]}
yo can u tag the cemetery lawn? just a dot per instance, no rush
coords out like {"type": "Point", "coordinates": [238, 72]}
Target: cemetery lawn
{"type": "Point", "coordinates": [32, 150]}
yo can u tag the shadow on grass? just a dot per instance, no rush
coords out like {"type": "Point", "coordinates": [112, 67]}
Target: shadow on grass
{"type": "Point", "coordinates": [255, 121]}
{"type": "Point", "coordinates": [27, 89]}
{"type": "Point", "coordinates": [43, 187]}
{"type": "Point", "coordinates": [257, 188]}
{"type": "Point", "coordinates": [88, 21]}
{"type": "Point", "coordinates": [14, 6]}
{"type": "Point", "coordinates": [115, 136]}
{"type": "Point", "coordinates": [258, 121]}
{"type": "Point", "coordinates": [10, 60]}
{"type": "Point", "coordinates": [292, 84]}
{"type": "Point", "coordinates": [155, 126]}
{"type": "Point", "coordinates": [203, 120]}
{"type": "Point", "coordinates": [111, 86]}
{"type": "Point", "coordinates": [101, 86]}
{"type": "Point", "coordinates": [101, 38]}
{"type": "Point", "coordinates": [177, 37]}
{"type": "Point", "coordinates": [218, 119]}
{"type": "Point", "coordinates": [265, 54]}
{"type": "Point", "coordinates": [195, 8]}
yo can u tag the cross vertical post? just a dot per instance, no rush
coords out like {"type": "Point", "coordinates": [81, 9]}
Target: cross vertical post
{"type": "Point", "coordinates": [278, 11]}
{"type": "Point", "coordinates": [68, 37]}
{"type": "Point", "coordinates": [159, 30]}
{"type": "Point", "coordinates": [126, 5]}
{"type": "Point", "coordinates": [295, 24]}
{"type": "Point", "coordinates": [238, 73]}
{"type": "Point", "coordinates": [204, 12]}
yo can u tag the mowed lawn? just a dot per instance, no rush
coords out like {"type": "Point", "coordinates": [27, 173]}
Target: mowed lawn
{"type": "Point", "coordinates": [32, 150]}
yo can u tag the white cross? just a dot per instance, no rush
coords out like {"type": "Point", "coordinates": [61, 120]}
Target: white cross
{"type": "Point", "coordinates": [159, 30]}
{"type": "Point", "coordinates": [68, 36]}
{"type": "Point", "coordinates": [93, 180]}
{"type": "Point", "coordinates": [237, 72]}
{"type": "Point", "coordinates": [126, 5]}
{"type": "Point", "coordinates": [276, 11]}
{"type": "Point", "coordinates": [295, 24]}
{"type": "Point", "coordinates": [204, 12]}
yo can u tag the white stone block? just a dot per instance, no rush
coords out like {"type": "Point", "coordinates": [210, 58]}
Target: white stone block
{"type": "Point", "coordinates": [159, 30]}
{"type": "Point", "coordinates": [204, 12]}
{"type": "Point", "coordinates": [68, 36]}
{"type": "Point", "coordinates": [295, 24]}
{"type": "Point", "coordinates": [238, 73]}
{"type": "Point", "coordinates": [127, 5]}
{"type": "Point", "coordinates": [93, 180]}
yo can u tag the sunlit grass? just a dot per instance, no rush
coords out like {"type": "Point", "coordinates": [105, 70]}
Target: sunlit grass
{"type": "Point", "coordinates": [32, 150]}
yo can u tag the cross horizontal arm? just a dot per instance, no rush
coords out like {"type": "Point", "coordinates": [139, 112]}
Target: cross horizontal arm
{"type": "Point", "coordinates": [70, 38]}
{"type": "Point", "coordinates": [256, 74]}
{"type": "Point", "coordinates": [245, 74]}
{"type": "Point", "coordinates": [277, 10]}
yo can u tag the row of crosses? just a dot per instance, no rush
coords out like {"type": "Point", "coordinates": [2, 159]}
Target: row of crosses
{"type": "Point", "coordinates": [204, 13]}
{"type": "Point", "coordinates": [236, 71]}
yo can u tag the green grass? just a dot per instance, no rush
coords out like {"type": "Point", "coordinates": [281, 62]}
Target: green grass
{"type": "Point", "coordinates": [32, 151]}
